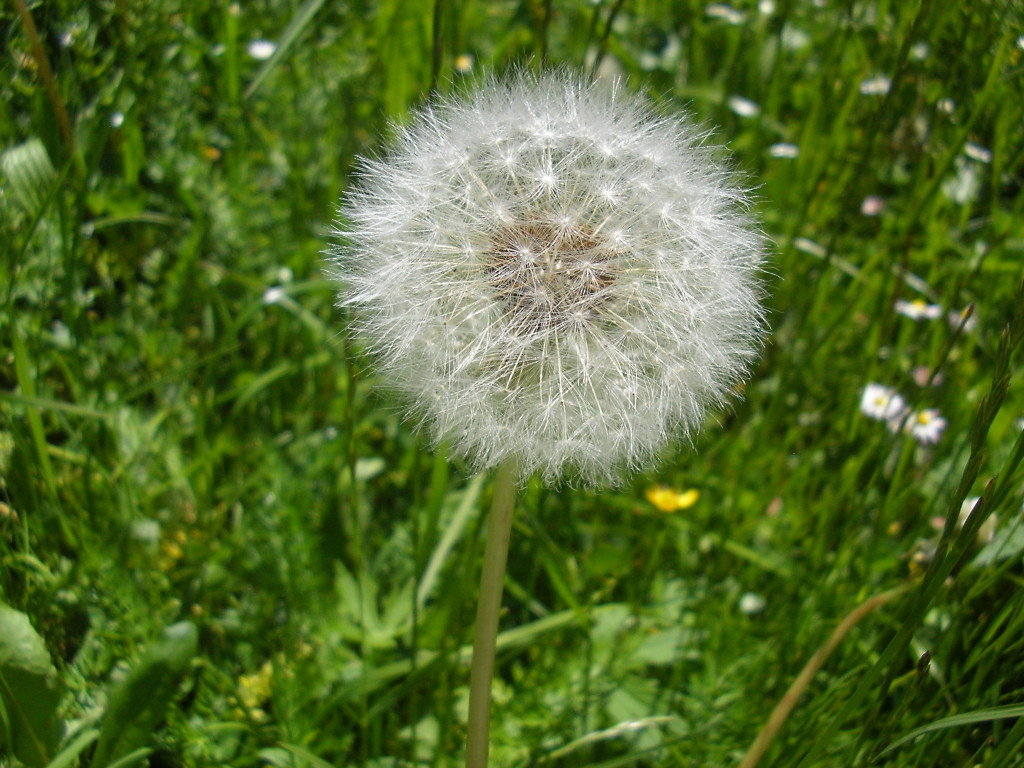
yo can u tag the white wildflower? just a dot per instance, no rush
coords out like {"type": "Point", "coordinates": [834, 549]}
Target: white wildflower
{"type": "Point", "coordinates": [987, 530]}
{"type": "Point", "coordinates": [876, 86]}
{"type": "Point", "coordinates": [964, 318]}
{"type": "Point", "coordinates": [744, 107]}
{"type": "Point", "coordinates": [725, 12]}
{"type": "Point", "coordinates": [926, 426]}
{"type": "Point", "coordinates": [964, 185]}
{"type": "Point", "coordinates": [883, 403]}
{"type": "Point", "coordinates": [784, 150]}
{"type": "Point", "coordinates": [274, 295]}
{"type": "Point", "coordinates": [872, 205]}
{"type": "Point", "coordinates": [918, 309]}
{"type": "Point", "coordinates": [751, 603]}
{"type": "Point", "coordinates": [978, 152]}
{"type": "Point", "coordinates": [261, 50]}
{"type": "Point", "coordinates": [552, 273]}
{"type": "Point", "coordinates": [809, 246]}
{"type": "Point", "coordinates": [794, 38]}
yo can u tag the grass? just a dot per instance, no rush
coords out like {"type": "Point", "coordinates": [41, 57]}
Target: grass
{"type": "Point", "coordinates": [186, 435]}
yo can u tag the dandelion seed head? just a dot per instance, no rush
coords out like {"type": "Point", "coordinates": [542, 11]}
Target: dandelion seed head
{"type": "Point", "coordinates": [551, 272]}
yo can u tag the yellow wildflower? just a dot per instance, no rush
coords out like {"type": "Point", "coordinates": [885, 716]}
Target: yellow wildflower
{"type": "Point", "coordinates": [670, 500]}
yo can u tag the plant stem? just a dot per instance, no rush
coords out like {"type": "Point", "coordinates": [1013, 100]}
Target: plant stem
{"type": "Point", "coordinates": [499, 530]}
{"type": "Point", "coordinates": [787, 702]}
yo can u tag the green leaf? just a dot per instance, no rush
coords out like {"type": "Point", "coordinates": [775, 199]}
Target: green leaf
{"type": "Point", "coordinates": [29, 173]}
{"type": "Point", "coordinates": [965, 718]}
{"type": "Point", "coordinates": [29, 690]}
{"type": "Point", "coordinates": [138, 703]}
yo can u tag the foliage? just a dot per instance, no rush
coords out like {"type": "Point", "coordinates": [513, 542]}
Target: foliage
{"type": "Point", "coordinates": [186, 434]}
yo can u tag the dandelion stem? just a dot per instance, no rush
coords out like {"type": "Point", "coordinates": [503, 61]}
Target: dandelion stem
{"type": "Point", "coordinates": [499, 530]}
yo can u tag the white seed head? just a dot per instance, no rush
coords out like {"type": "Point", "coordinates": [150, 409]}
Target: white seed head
{"type": "Point", "coordinates": [550, 272]}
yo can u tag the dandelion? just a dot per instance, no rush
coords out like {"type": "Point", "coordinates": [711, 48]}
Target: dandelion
{"type": "Point", "coordinates": [918, 309]}
{"type": "Point", "coordinates": [551, 273]}
{"type": "Point", "coordinates": [926, 426]}
{"type": "Point", "coordinates": [882, 403]}
{"type": "Point", "coordinates": [560, 282]}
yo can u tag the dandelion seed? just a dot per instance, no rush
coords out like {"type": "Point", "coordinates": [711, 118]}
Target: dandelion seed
{"type": "Point", "coordinates": [926, 426]}
{"type": "Point", "coordinates": [551, 273]}
{"type": "Point", "coordinates": [918, 309]}
{"type": "Point", "coordinates": [882, 403]}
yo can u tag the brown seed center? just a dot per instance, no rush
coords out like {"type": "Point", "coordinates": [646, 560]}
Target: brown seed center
{"type": "Point", "coordinates": [549, 276]}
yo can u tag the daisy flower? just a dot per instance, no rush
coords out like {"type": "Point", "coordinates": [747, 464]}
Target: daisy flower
{"type": "Point", "coordinates": [926, 426]}
{"type": "Point", "coordinates": [918, 309]}
{"type": "Point", "coordinates": [882, 403]}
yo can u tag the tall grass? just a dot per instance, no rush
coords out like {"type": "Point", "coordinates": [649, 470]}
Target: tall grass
{"type": "Point", "coordinates": [186, 433]}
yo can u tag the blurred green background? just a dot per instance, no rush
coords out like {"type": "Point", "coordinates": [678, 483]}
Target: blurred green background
{"type": "Point", "coordinates": [186, 435]}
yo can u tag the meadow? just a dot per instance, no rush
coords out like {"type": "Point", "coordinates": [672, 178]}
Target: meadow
{"type": "Point", "coordinates": [222, 545]}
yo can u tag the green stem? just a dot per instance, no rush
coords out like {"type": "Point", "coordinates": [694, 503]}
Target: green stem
{"type": "Point", "coordinates": [499, 530]}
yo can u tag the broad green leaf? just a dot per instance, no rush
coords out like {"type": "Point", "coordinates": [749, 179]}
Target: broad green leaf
{"type": "Point", "coordinates": [29, 173]}
{"type": "Point", "coordinates": [139, 702]}
{"type": "Point", "coordinates": [29, 689]}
